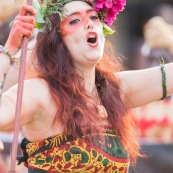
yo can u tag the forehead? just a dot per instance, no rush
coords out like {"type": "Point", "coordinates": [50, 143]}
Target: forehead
{"type": "Point", "coordinates": [75, 6]}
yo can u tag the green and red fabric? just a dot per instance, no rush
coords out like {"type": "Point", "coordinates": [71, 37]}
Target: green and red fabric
{"type": "Point", "coordinates": [63, 153]}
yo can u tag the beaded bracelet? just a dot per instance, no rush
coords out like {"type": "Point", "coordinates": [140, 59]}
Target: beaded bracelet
{"type": "Point", "coordinates": [163, 79]}
{"type": "Point", "coordinates": [11, 56]}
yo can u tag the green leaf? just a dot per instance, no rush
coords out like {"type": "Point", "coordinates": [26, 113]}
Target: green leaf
{"type": "Point", "coordinates": [42, 11]}
{"type": "Point", "coordinates": [40, 22]}
{"type": "Point", "coordinates": [107, 29]}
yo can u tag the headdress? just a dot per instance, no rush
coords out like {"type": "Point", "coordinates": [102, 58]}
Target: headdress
{"type": "Point", "coordinates": [107, 11]}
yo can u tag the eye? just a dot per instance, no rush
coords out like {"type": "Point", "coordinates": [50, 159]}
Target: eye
{"type": "Point", "coordinates": [94, 17]}
{"type": "Point", "coordinates": [75, 21]}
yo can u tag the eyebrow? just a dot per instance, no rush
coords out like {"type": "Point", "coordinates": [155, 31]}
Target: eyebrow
{"type": "Point", "coordinates": [87, 11]}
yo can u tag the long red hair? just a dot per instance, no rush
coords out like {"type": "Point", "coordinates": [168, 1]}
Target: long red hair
{"type": "Point", "coordinates": [54, 65]}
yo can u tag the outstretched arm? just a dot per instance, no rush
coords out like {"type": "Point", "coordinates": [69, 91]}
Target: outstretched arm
{"type": "Point", "coordinates": [145, 86]}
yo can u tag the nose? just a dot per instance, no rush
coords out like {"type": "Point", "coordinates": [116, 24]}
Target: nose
{"type": "Point", "coordinates": [89, 25]}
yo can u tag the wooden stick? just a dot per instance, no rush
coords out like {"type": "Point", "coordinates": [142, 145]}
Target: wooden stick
{"type": "Point", "coordinates": [19, 100]}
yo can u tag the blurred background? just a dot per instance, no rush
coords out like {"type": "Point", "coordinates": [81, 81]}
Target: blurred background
{"type": "Point", "coordinates": [155, 120]}
{"type": "Point", "coordinates": [132, 28]}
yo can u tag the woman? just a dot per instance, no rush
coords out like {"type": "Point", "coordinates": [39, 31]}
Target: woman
{"type": "Point", "coordinates": [75, 114]}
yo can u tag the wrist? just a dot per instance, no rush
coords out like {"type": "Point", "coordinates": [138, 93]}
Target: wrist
{"type": "Point", "coordinates": [7, 53]}
{"type": "Point", "coordinates": [11, 49]}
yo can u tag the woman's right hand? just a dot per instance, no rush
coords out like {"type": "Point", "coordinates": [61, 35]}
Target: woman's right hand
{"type": "Point", "coordinates": [22, 26]}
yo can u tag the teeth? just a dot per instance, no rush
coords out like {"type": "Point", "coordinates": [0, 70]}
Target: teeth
{"type": "Point", "coordinates": [92, 36]}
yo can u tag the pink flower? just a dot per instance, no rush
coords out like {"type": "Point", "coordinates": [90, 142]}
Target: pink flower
{"type": "Point", "coordinates": [98, 6]}
{"type": "Point", "coordinates": [108, 4]}
{"type": "Point", "coordinates": [109, 18]}
{"type": "Point", "coordinates": [109, 9]}
{"type": "Point", "coordinates": [89, 0]}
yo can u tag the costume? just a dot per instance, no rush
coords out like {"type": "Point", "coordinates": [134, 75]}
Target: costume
{"type": "Point", "coordinates": [64, 153]}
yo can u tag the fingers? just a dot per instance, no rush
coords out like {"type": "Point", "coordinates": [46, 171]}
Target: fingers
{"type": "Point", "coordinates": [27, 8]}
{"type": "Point", "coordinates": [22, 26]}
{"type": "Point", "coordinates": [25, 30]}
{"type": "Point", "coordinates": [26, 22]}
{"type": "Point", "coordinates": [26, 19]}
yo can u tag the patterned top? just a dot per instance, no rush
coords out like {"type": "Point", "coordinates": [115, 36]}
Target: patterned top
{"type": "Point", "coordinates": [64, 153]}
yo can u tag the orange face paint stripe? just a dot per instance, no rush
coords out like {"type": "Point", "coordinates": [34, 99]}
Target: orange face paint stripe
{"type": "Point", "coordinates": [84, 16]}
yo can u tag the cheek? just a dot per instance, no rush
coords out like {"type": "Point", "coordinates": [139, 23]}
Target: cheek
{"type": "Point", "coordinates": [72, 42]}
{"type": "Point", "coordinates": [67, 29]}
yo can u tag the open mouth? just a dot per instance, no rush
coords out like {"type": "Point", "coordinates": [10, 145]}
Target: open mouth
{"type": "Point", "coordinates": [92, 38]}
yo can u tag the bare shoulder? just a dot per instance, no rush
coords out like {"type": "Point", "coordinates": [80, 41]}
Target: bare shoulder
{"type": "Point", "coordinates": [38, 88]}
{"type": "Point", "coordinates": [36, 82]}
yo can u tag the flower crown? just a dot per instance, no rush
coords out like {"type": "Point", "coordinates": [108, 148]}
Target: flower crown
{"type": "Point", "coordinates": [106, 9]}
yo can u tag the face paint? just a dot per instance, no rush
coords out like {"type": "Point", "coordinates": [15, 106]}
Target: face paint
{"type": "Point", "coordinates": [77, 20]}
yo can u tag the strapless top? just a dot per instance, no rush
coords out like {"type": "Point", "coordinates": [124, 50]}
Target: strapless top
{"type": "Point", "coordinates": [64, 153]}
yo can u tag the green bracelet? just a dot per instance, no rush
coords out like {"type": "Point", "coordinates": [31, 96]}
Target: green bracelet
{"type": "Point", "coordinates": [163, 79]}
{"type": "Point", "coordinates": [11, 56]}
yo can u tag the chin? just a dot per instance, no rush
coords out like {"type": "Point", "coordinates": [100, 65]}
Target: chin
{"type": "Point", "coordinates": [94, 59]}
{"type": "Point", "coordinates": [94, 55]}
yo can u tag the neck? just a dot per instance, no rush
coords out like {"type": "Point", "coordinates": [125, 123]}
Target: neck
{"type": "Point", "coordinates": [89, 76]}
{"type": "Point", "coordinates": [90, 87]}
